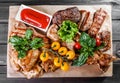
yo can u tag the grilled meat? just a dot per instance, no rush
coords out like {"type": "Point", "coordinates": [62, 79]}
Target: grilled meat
{"type": "Point", "coordinates": [20, 29]}
{"type": "Point", "coordinates": [35, 72]}
{"type": "Point", "coordinates": [85, 21]}
{"type": "Point", "coordinates": [48, 66]}
{"type": "Point", "coordinates": [52, 32]}
{"type": "Point", "coordinates": [29, 61]}
{"type": "Point", "coordinates": [106, 39]}
{"type": "Point", "coordinates": [72, 14]}
{"type": "Point", "coordinates": [98, 20]}
{"type": "Point", "coordinates": [103, 59]}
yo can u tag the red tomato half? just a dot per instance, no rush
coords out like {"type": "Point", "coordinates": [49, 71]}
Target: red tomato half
{"type": "Point", "coordinates": [98, 42]}
{"type": "Point", "coordinates": [35, 18]}
{"type": "Point", "coordinates": [77, 46]}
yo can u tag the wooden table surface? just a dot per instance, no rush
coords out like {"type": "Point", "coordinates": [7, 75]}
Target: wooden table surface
{"type": "Point", "coordinates": [4, 14]}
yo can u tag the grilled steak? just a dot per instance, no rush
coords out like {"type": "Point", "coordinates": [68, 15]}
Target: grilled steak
{"type": "Point", "coordinates": [72, 14]}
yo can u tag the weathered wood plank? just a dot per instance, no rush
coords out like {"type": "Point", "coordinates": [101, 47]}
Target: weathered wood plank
{"type": "Point", "coordinates": [4, 12]}
{"type": "Point", "coordinates": [3, 54]}
{"type": "Point", "coordinates": [116, 30]}
{"type": "Point", "coordinates": [3, 69]}
{"type": "Point", "coordinates": [3, 32]}
{"type": "Point", "coordinates": [62, 1]}
{"type": "Point", "coordinates": [113, 79]}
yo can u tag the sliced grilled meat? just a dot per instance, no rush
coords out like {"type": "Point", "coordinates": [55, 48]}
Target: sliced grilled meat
{"type": "Point", "coordinates": [72, 14]}
{"type": "Point", "coordinates": [98, 20]}
{"type": "Point", "coordinates": [52, 32]}
{"type": "Point", "coordinates": [85, 21]}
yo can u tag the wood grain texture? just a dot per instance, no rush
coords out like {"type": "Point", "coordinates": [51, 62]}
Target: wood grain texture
{"type": "Point", "coordinates": [5, 7]}
{"type": "Point", "coordinates": [113, 79]}
{"type": "Point", "coordinates": [3, 32]}
{"type": "Point", "coordinates": [3, 54]}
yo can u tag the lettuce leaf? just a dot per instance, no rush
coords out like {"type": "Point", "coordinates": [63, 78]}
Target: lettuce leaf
{"type": "Point", "coordinates": [67, 30]}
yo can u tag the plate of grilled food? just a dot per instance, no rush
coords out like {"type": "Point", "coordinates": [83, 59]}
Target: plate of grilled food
{"type": "Point", "coordinates": [59, 41]}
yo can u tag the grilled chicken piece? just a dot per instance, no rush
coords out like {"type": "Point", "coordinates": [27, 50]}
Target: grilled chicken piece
{"type": "Point", "coordinates": [14, 65]}
{"type": "Point", "coordinates": [103, 59]}
{"type": "Point", "coordinates": [35, 72]}
{"type": "Point", "coordinates": [29, 61]}
{"type": "Point", "coordinates": [106, 39]}
{"type": "Point", "coordinates": [35, 33]}
{"type": "Point", "coordinates": [20, 25]}
{"type": "Point", "coordinates": [48, 66]}
{"type": "Point", "coordinates": [20, 29]}
{"type": "Point", "coordinates": [52, 32]}
{"type": "Point", "coordinates": [98, 20]}
{"type": "Point", "coordinates": [72, 14]}
{"type": "Point", "coordinates": [85, 21]}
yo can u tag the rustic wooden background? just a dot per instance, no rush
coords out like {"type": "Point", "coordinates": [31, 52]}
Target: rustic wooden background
{"type": "Point", "coordinates": [4, 14]}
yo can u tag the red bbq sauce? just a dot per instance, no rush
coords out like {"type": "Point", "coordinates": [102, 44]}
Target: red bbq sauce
{"type": "Point", "coordinates": [35, 18]}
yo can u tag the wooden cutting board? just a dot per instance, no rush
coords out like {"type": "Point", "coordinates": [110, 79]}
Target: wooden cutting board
{"type": "Point", "coordinates": [83, 71]}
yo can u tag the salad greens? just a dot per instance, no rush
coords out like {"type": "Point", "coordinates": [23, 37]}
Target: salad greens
{"type": "Point", "coordinates": [88, 47]}
{"type": "Point", "coordinates": [22, 45]}
{"type": "Point", "coordinates": [67, 30]}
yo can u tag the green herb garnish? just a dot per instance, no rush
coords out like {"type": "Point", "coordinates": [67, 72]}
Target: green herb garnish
{"type": "Point", "coordinates": [67, 30]}
{"type": "Point", "coordinates": [88, 47]}
{"type": "Point", "coordinates": [22, 45]}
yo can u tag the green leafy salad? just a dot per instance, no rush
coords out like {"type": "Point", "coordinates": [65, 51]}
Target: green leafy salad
{"type": "Point", "coordinates": [22, 45]}
{"type": "Point", "coordinates": [68, 30]}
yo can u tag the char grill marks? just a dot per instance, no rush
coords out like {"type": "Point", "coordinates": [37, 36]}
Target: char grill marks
{"type": "Point", "coordinates": [85, 21]}
{"type": "Point", "coordinates": [98, 20]}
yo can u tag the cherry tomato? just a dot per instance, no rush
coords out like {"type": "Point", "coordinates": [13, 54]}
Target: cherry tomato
{"type": "Point", "coordinates": [65, 66]}
{"type": "Point", "coordinates": [98, 42]}
{"type": "Point", "coordinates": [55, 45]}
{"type": "Point", "coordinates": [62, 51]}
{"type": "Point", "coordinates": [70, 55]}
{"type": "Point", "coordinates": [77, 46]}
{"type": "Point", "coordinates": [57, 61]}
{"type": "Point", "coordinates": [44, 56]}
